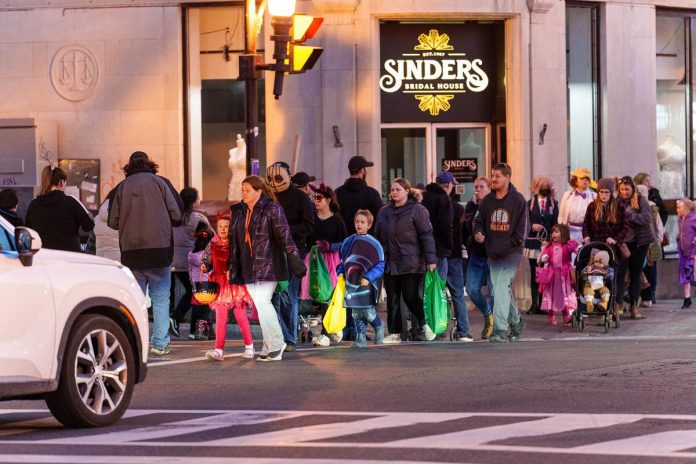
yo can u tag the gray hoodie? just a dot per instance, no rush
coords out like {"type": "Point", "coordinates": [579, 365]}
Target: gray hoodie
{"type": "Point", "coordinates": [504, 222]}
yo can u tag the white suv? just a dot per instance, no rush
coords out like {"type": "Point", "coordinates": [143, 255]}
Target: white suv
{"type": "Point", "coordinates": [73, 330]}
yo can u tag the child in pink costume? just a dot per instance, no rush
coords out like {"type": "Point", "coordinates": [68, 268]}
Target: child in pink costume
{"type": "Point", "coordinates": [230, 297]}
{"type": "Point", "coordinates": [558, 294]}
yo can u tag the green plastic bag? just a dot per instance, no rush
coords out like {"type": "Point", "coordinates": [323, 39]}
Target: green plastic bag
{"type": "Point", "coordinates": [281, 286]}
{"type": "Point", "coordinates": [435, 305]}
{"type": "Point", "coordinates": [320, 288]}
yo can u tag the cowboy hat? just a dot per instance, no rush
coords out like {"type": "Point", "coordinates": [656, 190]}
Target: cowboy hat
{"type": "Point", "coordinates": [582, 172]}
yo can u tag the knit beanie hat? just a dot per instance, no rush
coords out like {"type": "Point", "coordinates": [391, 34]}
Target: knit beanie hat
{"type": "Point", "coordinates": [606, 183]}
{"type": "Point", "coordinates": [602, 256]}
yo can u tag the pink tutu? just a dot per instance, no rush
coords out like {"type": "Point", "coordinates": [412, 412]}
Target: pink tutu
{"type": "Point", "coordinates": [332, 260]}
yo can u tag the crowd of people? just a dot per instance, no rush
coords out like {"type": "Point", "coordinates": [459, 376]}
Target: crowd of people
{"type": "Point", "coordinates": [259, 252]}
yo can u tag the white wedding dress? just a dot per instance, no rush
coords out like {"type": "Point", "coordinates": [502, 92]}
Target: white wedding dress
{"type": "Point", "coordinates": [672, 161]}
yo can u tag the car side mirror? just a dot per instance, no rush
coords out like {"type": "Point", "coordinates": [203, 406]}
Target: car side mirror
{"type": "Point", "coordinates": [27, 242]}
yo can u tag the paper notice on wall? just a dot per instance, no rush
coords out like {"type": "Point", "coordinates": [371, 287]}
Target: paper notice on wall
{"type": "Point", "coordinates": [73, 191]}
{"type": "Point", "coordinates": [88, 186]}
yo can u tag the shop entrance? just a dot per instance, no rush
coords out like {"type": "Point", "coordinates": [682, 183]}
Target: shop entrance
{"type": "Point", "coordinates": [419, 151]}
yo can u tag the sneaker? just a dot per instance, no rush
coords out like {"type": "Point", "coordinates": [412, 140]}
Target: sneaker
{"type": "Point", "coordinates": [160, 351]}
{"type": "Point", "coordinates": [647, 304]}
{"type": "Point", "coordinates": [337, 337]}
{"type": "Point", "coordinates": [173, 328]}
{"type": "Point", "coordinates": [391, 339]}
{"type": "Point", "coordinates": [419, 335]}
{"type": "Point", "coordinates": [487, 326]}
{"type": "Point", "coordinates": [290, 348]}
{"type": "Point", "coordinates": [248, 352]}
{"type": "Point", "coordinates": [360, 341]}
{"type": "Point", "coordinates": [192, 336]}
{"type": "Point", "coordinates": [516, 330]}
{"type": "Point", "coordinates": [428, 332]}
{"type": "Point", "coordinates": [465, 338]}
{"type": "Point", "coordinates": [215, 355]}
{"type": "Point", "coordinates": [273, 355]}
{"type": "Point", "coordinates": [498, 338]}
{"type": "Point", "coordinates": [322, 340]}
{"type": "Point", "coordinates": [379, 335]}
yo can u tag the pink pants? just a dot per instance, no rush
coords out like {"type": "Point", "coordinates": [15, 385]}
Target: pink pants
{"type": "Point", "coordinates": [222, 315]}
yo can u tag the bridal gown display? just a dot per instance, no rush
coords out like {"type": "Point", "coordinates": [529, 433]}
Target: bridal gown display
{"type": "Point", "coordinates": [672, 161]}
{"type": "Point", "coordinates": [237, 165]}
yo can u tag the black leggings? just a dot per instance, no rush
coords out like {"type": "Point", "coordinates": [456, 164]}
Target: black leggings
{"type": "Point", "coordinates": [634, 267]}
{"type": "Point", "coordinates": [406, 286]}
{"type": "Point", "coordinates": [182, 307]}
{"type": "Point", "coordinates": [536, 301]}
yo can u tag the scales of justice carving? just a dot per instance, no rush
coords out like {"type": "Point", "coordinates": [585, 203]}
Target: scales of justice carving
{"type": "Point", "coordinates": [74, 73]}
{"type": "Point", "coordinates": [237, 165]}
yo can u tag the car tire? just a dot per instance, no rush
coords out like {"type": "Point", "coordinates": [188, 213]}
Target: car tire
{"type": "Point", "coordinates": [97, 376]}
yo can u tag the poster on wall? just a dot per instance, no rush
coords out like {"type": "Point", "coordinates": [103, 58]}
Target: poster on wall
{"type": "Point", "coordinates": [439, 72]}
{"type": "Point", "coordinates": [83, 181]}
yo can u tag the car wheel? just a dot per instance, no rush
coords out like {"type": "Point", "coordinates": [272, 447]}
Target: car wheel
{"type": "Point", "coordinates": [97, 376]}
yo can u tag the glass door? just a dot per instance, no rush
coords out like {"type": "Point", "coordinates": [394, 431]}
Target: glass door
{"type": "Point", "coordinates": [464, 150]}
{"type": "Point", "coordinates": [404, 154]}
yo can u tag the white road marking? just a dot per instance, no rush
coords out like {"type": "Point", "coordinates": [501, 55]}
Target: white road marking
{"type": "Point", "coordinates": [49, 459]}
{"type": "Point", "coordinates": [663, 442]}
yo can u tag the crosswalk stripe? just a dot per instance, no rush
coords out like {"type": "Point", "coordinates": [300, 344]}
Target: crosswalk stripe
{"type": "Point", "coordinates": [50, 459]}
{"type": "Point", "coordinates": [663, 442]}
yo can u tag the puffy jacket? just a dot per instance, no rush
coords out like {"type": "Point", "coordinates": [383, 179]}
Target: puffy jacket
{"type": "Point", "coordinates": [144, 208]}
{"type": "Point", "coordinates": [57, 218]}
{"type": "Point", "coordinates": [406, 235]}
{"type": "Point", "coordinates": [106, 238]}
{"type": "Point", "coordinates": [184, 239]}
{"type": "Point", "coordinates": [271, 243]}
{"type": "Point", "coordinates": [640, 222]}
{"type": "Point", "coordinates": [353, 195]}
{"type": "Point", "coordinates": [687, 235]}
{"type": "Point", "coordinates": [439, 206]}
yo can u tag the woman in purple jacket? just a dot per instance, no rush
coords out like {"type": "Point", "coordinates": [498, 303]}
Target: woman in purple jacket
{"type": "Point", "coordinates": [686, 246]}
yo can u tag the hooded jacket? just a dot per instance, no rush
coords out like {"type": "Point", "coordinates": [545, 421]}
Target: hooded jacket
{"type": "Point", "coordinates": [264, 258]}
{"type": "Point", "coordinates": [57, 218]}
{"type": "Point", "coordinates": [407, 238]}
{"type": "Point", "coordinates": [439, 206]}
{"type": "Point", "coordinates": [504, 222]}
{"type": "Point", "coordinates": [353, 195]}
{"type": "Point", "coordinates": [144, 208]}
{"type": "Point", "coordinates": [106, 238]}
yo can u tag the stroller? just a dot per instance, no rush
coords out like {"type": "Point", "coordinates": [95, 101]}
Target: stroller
{"type": "Point", "coordinates": [581, 314]}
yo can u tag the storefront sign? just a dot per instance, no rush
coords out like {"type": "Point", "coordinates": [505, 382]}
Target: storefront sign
{"type": "Point", "coordinates": [465, 170]}
{"type": "Point", "coordinates": [438, 72]}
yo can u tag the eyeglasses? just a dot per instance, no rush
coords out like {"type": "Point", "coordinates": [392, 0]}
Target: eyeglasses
{"type": "Point", "coordinates": [317, 197]}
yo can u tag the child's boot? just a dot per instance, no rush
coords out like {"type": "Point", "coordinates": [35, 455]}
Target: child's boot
{"type": "Point", "coordinates": [552, 318]}
{"type": "Point", "coordinates": [379, 334]}
{"type": "Point", "coordinates": [687, 303]}
{"type": "Point", "coordinates": [360, 334]}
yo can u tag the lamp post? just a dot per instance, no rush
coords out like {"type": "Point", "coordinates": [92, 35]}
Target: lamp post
{"type": "Point", "coordinates": [250, 64]}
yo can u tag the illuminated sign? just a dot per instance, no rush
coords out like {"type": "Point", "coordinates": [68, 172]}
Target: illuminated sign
{"type": "Point", "coordinates": [438, 72]}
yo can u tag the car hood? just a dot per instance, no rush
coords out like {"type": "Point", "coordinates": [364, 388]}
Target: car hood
{"type": "Point", "coordinates": [46, 256]}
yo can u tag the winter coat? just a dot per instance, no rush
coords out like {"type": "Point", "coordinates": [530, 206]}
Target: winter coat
{"type": "Point", "coordinates": [144, 209]}
{"type": "Point", "coordinates": [57, 218]}
{"type": "Point", "coordinates": [407, 238]}
{"type": "Point", "coordinates": [546, 218]}
{"type": "Point", "coordinates": [353, 195]}
{"type": "Point", "coordinates": [12, 217]}
{"type": "Point", "coordinates": [639, 222]}
{"type": "Point", "coordinates": [184, 238]}
{"type": "Point", "coordinates": [271, 245]}
{"type": "Point", "coordinates": [504, 222]}
{"type": "Point", "coordinates": [687, 236]}
{"type": "Point", "coordinates": [473, 247]}
{"type": "Point", "coordinates": [600, 231]}
{"type": "Point", "coordinates": [106, 238]}
{"type": "Point", "coordinates": [439, 206]}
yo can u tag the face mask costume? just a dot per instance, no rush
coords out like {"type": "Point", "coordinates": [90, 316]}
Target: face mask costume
{"type": "Point", "coordinates": [278, 176]}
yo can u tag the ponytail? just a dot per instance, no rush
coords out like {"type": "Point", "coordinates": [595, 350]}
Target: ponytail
{"type": "Point", "coordinates": [51, 177]}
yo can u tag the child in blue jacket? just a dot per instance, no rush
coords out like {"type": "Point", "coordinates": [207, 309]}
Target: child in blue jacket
{"type": "Point", "coordinates": [362, 264]}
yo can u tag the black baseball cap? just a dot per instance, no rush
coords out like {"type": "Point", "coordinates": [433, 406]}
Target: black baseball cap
{"type": "Point", "coordinates": [358, 162]}
{"type": "Point", "coordinates": [302, 178]}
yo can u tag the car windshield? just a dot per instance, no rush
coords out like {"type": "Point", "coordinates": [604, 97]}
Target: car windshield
{"type": "Point", "coordinates": [6, 244]}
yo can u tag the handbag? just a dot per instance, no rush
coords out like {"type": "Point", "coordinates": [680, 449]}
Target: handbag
{"type": "Point", "coordinates": [624, 251]}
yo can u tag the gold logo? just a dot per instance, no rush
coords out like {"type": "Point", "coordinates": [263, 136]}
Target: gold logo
{"type": "Point", "coordinates": [434, 103]}
{"type": "Point", "coordinates": [433, 41]}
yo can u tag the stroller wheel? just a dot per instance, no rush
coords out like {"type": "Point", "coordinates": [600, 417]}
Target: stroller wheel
{"type": "Point", "coordinates": [454, 335]}
{"type": "Point", "coordinates": [581, 325]}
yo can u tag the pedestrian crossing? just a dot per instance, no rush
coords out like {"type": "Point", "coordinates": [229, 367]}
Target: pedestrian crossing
{"type": "Point", "coordinates": [142, 431]}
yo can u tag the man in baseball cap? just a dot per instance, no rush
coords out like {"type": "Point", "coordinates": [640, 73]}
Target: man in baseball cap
{"type": "Point", "coordinates": [357, 164]}
{"type": "Point", "coordinates": [301, 180]}
{"type": "Point", "coordinates": [355, 194]}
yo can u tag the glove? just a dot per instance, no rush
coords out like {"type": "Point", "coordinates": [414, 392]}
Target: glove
{"type": "Point", "coordinates": [323, 246]}
{"type": "Point", "coordinates": [297, 267]}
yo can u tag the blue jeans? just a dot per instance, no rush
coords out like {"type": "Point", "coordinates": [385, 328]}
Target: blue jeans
{"type": "Point", "coordinates": [477, 274]}
{"type": "Point", "coordinates": [505, 312]}
{"type": "Point", "coordinates": [442, 265]}
{"type": "Point", "coordinates": [455, 284]}
{"type": "Point", "coordinates": [286, 304]}
{"type": "Point", "coordinates": [158, 281]}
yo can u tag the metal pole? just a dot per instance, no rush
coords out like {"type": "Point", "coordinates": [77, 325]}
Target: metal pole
{"type": "Point", "coordinates": [251, 110]}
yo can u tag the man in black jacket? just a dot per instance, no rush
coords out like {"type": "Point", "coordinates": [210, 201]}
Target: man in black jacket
{"type": "Point", "coordinates": [437, 201]}
{"type": "Point", "coordinates": [501, 224]}
{"type": "Point", "coordinates": [300, 214]}
{"type": "Point", "coordinates": [355, 194]}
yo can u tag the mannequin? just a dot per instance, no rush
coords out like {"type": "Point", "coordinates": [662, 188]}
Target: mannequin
{"type": "Point", "coordinates": [470, 147]}
{"type": "Point", "coordinates": [237, 165]}
{"type": "Point", "coordinates": [672, 160]}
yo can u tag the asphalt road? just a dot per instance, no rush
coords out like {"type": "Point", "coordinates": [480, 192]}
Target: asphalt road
{"type": "Point", "coordinates": [623, 397]}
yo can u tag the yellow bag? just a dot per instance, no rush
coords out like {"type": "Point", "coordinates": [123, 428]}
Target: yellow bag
{"type": "Point", "coordinates": [335, 317]}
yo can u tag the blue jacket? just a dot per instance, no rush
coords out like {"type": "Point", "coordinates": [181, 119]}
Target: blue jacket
{"type": "Point", "coordinates": [374, 273]}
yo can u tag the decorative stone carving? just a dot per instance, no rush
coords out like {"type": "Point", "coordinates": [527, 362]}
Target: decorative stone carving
{"type": "Point", "coordinates": [74, 72]}
{"type": "Point", "coordinates": [540, 6]}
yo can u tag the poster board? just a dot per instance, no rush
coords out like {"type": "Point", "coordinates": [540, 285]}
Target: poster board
{"type": "Point", "coordinates": [83, 181]}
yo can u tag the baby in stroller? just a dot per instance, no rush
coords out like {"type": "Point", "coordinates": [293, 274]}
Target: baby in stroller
{"type": "Point", "coordinates": [595, 276]}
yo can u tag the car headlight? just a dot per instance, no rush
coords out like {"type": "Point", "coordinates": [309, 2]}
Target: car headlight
{"type": "Point", "coordinates": [127, 271]}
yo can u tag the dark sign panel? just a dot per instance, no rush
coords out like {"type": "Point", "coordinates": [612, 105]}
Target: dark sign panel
{"type": "Point", "coordinates": [463, 169]}
{"type": "Point", "coordinates": [438, 72]}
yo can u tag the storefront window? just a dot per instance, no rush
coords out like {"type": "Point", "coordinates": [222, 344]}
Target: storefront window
{"type": "Point", "coordinates": [403, 155]}
{"type": "Point", "coordinates": [583, 87]}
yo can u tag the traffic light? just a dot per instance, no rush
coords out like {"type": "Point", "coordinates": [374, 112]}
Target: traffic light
{"type": "Point", "coordinates": [303, 57]}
